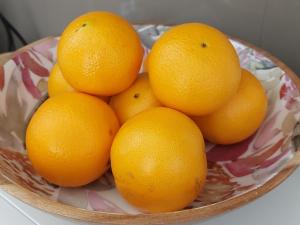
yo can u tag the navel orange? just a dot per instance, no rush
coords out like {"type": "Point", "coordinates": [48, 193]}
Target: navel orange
{"type": "Point", "coordinates": [100, 53]}
{"type": "Point", "coordinates": [158, 160]}
{"type": "Point", "coordinates": [137, 98]}
{"type": "Point", "coordinates": [69, 137]}
{"type": "Point", "coordinates": [194, 68]}
{"type": "Point", "coordinates": [240, 117]}
{"type": "Point", "coordinates": [57, 83]}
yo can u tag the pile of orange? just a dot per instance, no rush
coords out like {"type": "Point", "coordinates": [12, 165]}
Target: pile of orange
{"type": "Point", "coordinates": [147, 127]}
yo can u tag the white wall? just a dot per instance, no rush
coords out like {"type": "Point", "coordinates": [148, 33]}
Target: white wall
{"type": "Point", "coordinates": [270, 24]}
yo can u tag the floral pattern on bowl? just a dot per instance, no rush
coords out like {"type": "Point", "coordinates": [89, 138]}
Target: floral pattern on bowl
{"type": "Point", "coordinates": [232, 170]}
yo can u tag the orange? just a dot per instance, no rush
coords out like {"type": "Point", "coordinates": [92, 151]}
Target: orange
{"type": "Point", "coordinates": [158, 160]}
{"type": "Point", "coordinates": [57, 83]}
{"type": "Point", "coordinates": [100, 53]}
{"type": "Point", "coordinates": [135, 99]}
{"type": "Point", "coordinates": [194, 68]}
{"type": "Point", "coordinates": [69, 137]}
{"type": "Point", "coordinates": [240, 117]}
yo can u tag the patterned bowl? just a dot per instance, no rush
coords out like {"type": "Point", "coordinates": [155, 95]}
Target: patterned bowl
{"type": "Point", "coordinates": [236, 173]}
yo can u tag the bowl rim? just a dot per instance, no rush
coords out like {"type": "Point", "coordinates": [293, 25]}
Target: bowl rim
{"type": "Point", "coordinates": [54, 207]}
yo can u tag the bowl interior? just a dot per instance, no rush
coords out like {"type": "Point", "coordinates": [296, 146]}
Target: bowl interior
{"type": "Point", "coordinates": [232, 170]}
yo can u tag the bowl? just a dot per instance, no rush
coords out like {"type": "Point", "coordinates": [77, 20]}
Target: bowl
{"type": "Point", "coordinates": [237, 173]}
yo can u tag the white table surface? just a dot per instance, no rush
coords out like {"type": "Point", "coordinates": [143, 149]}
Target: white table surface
{"type": "Point", "coordinates": [279, 207]}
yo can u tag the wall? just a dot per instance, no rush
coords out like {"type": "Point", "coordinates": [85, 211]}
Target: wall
{"type": "Point", "coordinates": [270, 24]}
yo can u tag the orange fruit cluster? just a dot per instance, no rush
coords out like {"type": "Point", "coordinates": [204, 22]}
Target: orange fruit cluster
{"type": "Point", "coordinates": [151, 129]}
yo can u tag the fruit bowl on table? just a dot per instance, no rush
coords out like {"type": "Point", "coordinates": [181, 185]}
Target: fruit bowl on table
{"type": "Point", "coordinates": [237, 173]}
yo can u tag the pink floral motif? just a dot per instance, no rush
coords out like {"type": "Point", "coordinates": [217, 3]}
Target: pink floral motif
{"type": "Point", "coordinates": [44, 48]}
{"type": "Point", "coordinates": [246, 166]}
{"type": "Point", "coordinates": [32, 65]}
{"type": "Point", "coordinates": [273, 160]}
{"type": "Point", "coordinates": [266, 132]}
{"type": "Point", "coordinates": [244, 56]}
{"type": "Point", "coordinates": [27, 65]}
{"type": "Point", "coordinates": [29, 83]}
{"type": "Point", "coordinates": [99, 203]}
{"type": "Point", "coordinates": [221, 153]}
{"type": "Point", "coordinates": [18, 168]}
{"type": "Point", "coordinates": [289, 94]}
{"type": "Point", "coordinates": [283, 91]}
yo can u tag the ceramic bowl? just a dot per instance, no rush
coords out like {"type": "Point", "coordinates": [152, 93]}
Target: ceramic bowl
{"type": "Point", "coordinates": [236, 173]}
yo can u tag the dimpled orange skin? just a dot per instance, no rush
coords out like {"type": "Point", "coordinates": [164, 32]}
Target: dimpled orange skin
{"type": "Point", "coordinates": [240, 117]}
{"type": "Point", "coordinates": [158, 160]}
{"type": "Point", "coordinates": [69, 137]}
{"type": "Point", "coordinates": [57, 83]}
{"type": "Point", "coordinates": [194, 68]}
{"type": "Point", "coordinates": [135, 99]}
{"type": "Point", "coordinates": [100, 53]}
